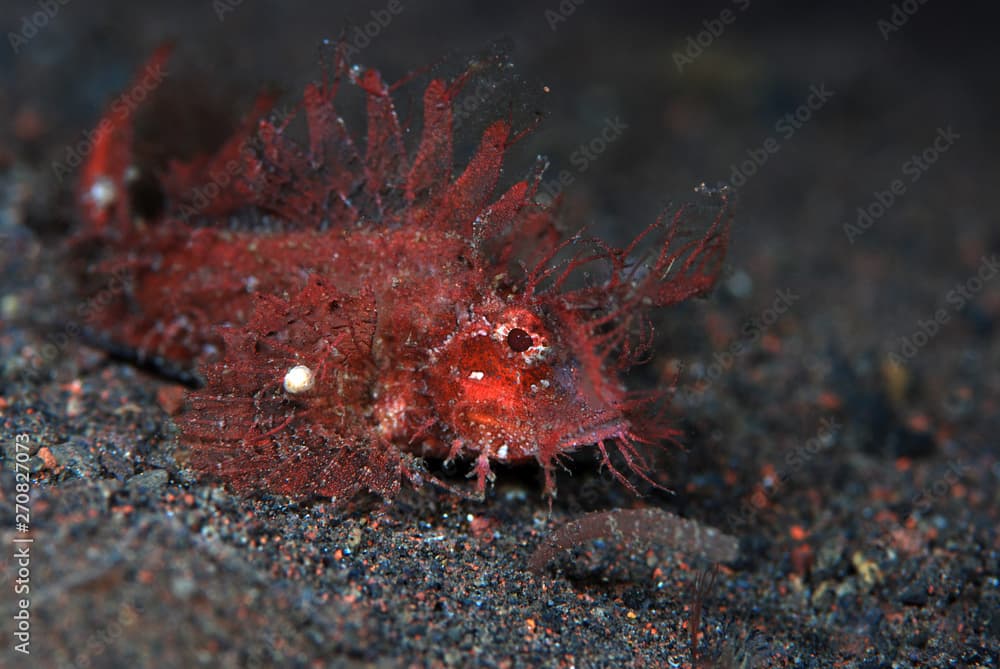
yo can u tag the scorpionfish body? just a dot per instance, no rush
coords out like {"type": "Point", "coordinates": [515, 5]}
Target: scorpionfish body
{"type": "Point", "coordinates": [381, 309]}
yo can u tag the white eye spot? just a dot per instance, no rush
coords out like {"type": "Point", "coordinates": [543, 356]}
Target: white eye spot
{"type": "Point", "coordinates": [476, 376]}
{"type": "Point", "coordinates": [103, 192]}
{"type": "Point", "coordinates": [298, 379]}
{"type": "Point", "coordinates": [502, 452]}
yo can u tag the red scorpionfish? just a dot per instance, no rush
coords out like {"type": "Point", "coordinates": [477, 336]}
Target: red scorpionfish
{"type": "Point", "coordinates": [354, 307]}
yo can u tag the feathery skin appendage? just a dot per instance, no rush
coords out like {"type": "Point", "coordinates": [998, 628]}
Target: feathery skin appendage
{"type": "Point", "coordinates": [387, 309]}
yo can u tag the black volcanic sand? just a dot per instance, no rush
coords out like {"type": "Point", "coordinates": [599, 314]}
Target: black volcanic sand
{"type": "Point", "coordinates": [839, 397]}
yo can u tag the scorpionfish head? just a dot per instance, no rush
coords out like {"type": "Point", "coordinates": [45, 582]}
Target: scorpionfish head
{"type": "Point", "coordinates": [512, 383]}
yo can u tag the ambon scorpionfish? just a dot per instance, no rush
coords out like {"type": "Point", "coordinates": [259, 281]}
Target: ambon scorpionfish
{"type": "Point", "coordinates": [381, 307]}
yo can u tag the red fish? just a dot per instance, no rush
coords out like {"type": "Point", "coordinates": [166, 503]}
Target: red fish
{"type": "Point", "coordinates": [371, 309]}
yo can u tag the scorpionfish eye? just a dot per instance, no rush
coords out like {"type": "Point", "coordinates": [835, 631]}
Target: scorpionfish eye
{"type": "Point", "coordinates": [492, 377]}
{"type": "Point", "coordinates": [518, 340]}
